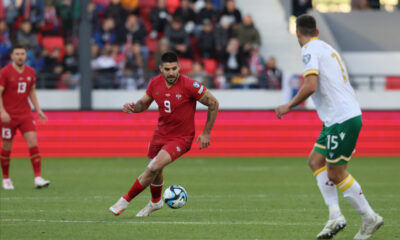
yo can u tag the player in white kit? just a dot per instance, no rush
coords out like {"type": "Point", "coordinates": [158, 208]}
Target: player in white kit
{"type": "Point", "coordinates": [327, 82]}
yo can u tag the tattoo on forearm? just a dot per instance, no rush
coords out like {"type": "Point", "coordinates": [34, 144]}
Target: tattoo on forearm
{"type": "Point", "coordinates": [139, 106]}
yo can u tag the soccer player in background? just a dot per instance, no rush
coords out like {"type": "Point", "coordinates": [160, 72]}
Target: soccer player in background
{"type": "Point", "coordinates": [327, 81]}
{"type": "Point", "coordinates": [176, 96]}
{"type": "Point", "coordinates": [17, 84]}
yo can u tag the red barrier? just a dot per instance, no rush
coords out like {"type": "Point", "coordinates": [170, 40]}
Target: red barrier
{"type": "Point", "coordinates": [236, 133]}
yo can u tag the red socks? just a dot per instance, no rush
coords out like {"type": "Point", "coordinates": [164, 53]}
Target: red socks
{"type": "Point", "coordinates": [5, 163]}
{"type": "Point", "coordinates": [155, 193]}
{"type": "Point", "coordinates": [134, 191]}
{"type": "Point", "coordinates": [36, 160]}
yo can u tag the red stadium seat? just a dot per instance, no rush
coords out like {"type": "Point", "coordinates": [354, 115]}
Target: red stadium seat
{"type": "Point", "coordinates": [210, 65]}
{"type": "Point", "coordinates": [172, 5]}
{"type": "Point", "coordinates": [186, 65]}
{"type": "Point", "coordinates": [393, 83]}
{"type": "Point", "coordinates": [152, 44]}
{"type": "Point", "coordinates": [49, 43]}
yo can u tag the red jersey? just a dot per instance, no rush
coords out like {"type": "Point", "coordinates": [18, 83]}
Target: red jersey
{"type": "Point", "coordinates": [176, 105]}
{"type": "Point", "coordinates": [17, 87]}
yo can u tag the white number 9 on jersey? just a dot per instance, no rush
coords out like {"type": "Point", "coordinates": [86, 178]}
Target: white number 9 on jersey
{"type": "Point", "coordinates": [167, 105]}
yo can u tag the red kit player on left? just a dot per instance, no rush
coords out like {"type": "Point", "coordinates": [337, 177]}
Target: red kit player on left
{"type": "Point", "coordinates": [17, 84]}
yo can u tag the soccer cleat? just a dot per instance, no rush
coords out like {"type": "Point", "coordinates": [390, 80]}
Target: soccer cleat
{"type": "Point", "coordinates": [7, 184]}
{"type": "Point", "coordinates": [149, 208]}
{"type": "Point", "coordinates": [119, 206]}
{"type": "Point", "coordinates": [332, 227]}
{"type": "Point", "coordinates": [367, 230]}
{"type": "Point", "coordinates": [41, 183]}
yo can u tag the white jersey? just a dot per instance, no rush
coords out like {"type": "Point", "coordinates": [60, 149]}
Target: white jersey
{"type": "Point", "coordinates": [334, 98]}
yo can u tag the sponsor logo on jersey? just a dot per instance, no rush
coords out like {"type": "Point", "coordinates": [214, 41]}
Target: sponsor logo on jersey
{"type": "Point", "coordinates": [156, 93]}
{"type": "Point", "coordinates": [178, 96]}
{"type": "Point", "coordinates": [306, 58]}
{"type": "Point", "coordinates": [196, 84]}
{"type": "Point", "coordinates": [12, 78]}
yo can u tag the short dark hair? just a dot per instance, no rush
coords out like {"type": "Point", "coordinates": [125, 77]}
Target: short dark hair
{"type": "Point", "coordinates": [18, 46]}
{"type": "Point", "coordinates": [306, 25]}
{"type": "Point", "coordinates": [169, 57]}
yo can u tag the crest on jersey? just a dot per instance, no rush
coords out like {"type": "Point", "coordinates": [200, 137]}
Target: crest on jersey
{"type": "Point", "coordinates": [306, 58]}
{"type": "Point", "coordinates": [178, 96]}
{"type": "Point", "coordinates": [196, 84]}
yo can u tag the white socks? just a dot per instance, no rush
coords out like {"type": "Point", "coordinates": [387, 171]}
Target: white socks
{"type": "Point", "coordinates": [328, 191]}
{"type": "Point", "coordinates": [354, 195]}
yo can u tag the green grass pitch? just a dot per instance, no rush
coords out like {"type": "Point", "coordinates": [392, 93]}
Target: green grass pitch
{"type": "Point", "coordinates": [228, 198]}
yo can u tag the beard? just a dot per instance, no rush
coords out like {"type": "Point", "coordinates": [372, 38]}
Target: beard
{"type": "Point", "coordinates": [171, 79]}
{"type": "Point", "coordinates": [20, 63]}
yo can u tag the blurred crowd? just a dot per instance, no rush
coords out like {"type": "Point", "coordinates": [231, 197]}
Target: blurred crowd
{"type": "Point", "coordinates": [217, 45]}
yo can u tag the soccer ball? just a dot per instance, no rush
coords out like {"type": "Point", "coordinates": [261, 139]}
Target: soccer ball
{"type": "Point", "coordinates": [175, 196]}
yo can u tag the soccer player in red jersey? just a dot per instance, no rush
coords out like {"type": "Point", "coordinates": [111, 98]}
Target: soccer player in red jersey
{"type": "Point", "coordinates": [176, 96]}
{"type": "Point", "coordinates": [17, 84]}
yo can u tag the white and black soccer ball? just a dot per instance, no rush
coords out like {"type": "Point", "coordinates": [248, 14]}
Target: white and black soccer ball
{"type": "Point", "coordinates": [175, 196]}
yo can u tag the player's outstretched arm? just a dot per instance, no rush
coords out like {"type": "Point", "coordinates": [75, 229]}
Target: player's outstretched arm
{"type": "Point", "coordinates": [309, 87]}
{"type": "Point", "coordinates": [5, 118]}
{"type": "Point", "coordinates": [209, 100]}
{"type": "Point", "coordinates": [142, 105]}
{"type": "Point", "coordinates": [35, 102]}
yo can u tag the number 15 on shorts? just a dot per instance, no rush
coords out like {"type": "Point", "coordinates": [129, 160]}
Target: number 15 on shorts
{"type": "Point", "coordinates": [332, 142]}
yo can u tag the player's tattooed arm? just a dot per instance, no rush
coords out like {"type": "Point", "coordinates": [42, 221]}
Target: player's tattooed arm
{"type": "Point", "coordinates": [209, 100]}
{"type": "Point", "coordinates": [140, 106]}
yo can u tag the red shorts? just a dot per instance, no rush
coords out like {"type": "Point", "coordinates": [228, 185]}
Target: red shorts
{"type": "Point", "coordinates": [176, 147]}
{"type": "Point", "coordinates": [24, 123]}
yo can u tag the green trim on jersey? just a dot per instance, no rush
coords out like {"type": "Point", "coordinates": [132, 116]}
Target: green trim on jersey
{"type": "Point", "coordinates": [338, 141]}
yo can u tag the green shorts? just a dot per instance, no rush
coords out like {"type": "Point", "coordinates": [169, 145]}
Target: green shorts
{"type": "Point", "coordinates": [338, 141]}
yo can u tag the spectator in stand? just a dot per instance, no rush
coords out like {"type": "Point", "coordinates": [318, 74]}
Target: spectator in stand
{"type": "Point", "coordinates": [52, 68]}
{"type": "Point", "coordinates": [257, 65]}
{"type": "Point", "coordinates": [220, 81]}
{"type": "Point", "coordinates": [34, 12]}
{"type": "Point", "coordinates": [232, 12]}
{"type": "Point", "coordinates": [178, 38]}
{"type": "Point", "coordinates": [68, 10]}
{"type": "Point", "coordinates": [274, 74]}
{"type": "Point", "coordinates": [106, 35]}
{"type": "Point", "coordinates": [93, 15]}
{"type": "Point", "coordinates": [126, 79]}
{"type": "Point", "coordinates": [248, 35]}
{"type": "Point", "coordinates": [26, 37]}
{"type": "Point", "coordinates": [51, 24]}
{"type": "Point", "coordinates": [206, 40]}
{"type": "Point", "coordinates": [70, 77]}
{"type": "Point", "coordinates": [134, 31]}
{"type": "Point", "coordinates": [207, 12]}
{"type": "Point", "coordinates": [159, 18]}
{"type": "Point", "coordinates": [116, 11]}
{"type": "Point", "coordinates": [163, 47]}
{"type": "Point", "coordinates": [233, 59]}
{"type": "Point", "coordinates": [12, 10]}
{"type": "Point", "coordinates": [105, 68]}
{"type": "Point", "coordinates": [70, 60]}
{"type": "Point", "coordinates": [199, 74]}
{"type": "Point", "coordinates": [187, 15]}
{"type": "Point", "coordinates": [5, 43]}
{"type": "Point", "coordinates": [300, 7]}
{"type": "Point", "coordinates": [223, 33]}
